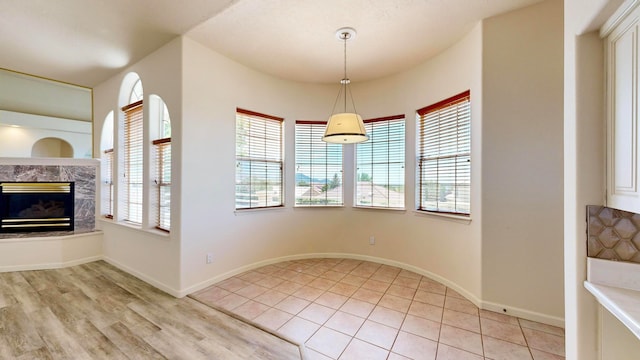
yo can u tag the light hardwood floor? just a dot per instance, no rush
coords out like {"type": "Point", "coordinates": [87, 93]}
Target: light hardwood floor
{"type": "Point", "coordinates": [96, 311]}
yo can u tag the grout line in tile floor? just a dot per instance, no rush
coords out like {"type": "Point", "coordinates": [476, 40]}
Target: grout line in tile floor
{"type": "Point", "coordinates": [352, 309]}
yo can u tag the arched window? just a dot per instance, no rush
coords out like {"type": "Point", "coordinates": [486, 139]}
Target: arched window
{"type": "Point", "coordinates": [106, 151]}
{"type": "Point", "coordinates": [136, 92]}
{"type": "Point", "coordinates": [161, 135]}
{"type": "Point", "coordinates": [133, 150]}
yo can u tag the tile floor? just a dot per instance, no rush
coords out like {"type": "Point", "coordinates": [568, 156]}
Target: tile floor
{"type": "Point", "coordinates": [352, 309]}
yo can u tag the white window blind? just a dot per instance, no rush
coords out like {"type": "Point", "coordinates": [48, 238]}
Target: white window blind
{"type": "Point", "coordinates": [444, 156]}
{"type": "Point", "coordinates": [380, 164]}
{"type": "Point", "coordinates": [259, 160]}
{"type": "Point", "coordinates": [133, 162]}
{"type": "Point", "coordinates": [318, 167]}
{"type": "Point", "coordinates": [163, 182]}
{"type": "Point", "coordinates": [107, 183]}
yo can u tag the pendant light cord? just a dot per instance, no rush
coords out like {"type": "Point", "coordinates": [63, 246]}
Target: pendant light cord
{"type": "Point", "coordinates": [345, 90]}
{"type": "Point", "coordinates": [345, 80]}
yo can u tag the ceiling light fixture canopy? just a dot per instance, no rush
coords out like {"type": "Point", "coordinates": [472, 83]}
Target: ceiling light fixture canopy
{"type": "Point", "coordinates": [345, 127]}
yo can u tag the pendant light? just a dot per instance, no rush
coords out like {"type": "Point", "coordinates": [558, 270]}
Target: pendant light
{"type": "Point", "coordinates": [345, 127]}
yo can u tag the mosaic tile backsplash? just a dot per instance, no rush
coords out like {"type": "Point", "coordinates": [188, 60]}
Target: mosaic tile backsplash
{"type": "Point", "coordinates": [613, 234]}
{"type": "Point", "coordinates": [85, 189]}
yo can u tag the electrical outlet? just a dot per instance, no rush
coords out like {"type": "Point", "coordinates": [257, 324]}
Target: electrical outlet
{"type": "Point", "coordinates": [372, 240]}
{"type": "Point", "coordinates": [209, 258]}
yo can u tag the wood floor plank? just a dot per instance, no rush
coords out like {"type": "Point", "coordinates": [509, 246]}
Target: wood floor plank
{"type": "Point", "coordinates": [27, 296]}
{"type": "Point", "coordinates": [133, 285]}
{"type": "Point", "coordinates": [130, 344]}
{"type": "Point", "coordinates": [39, 354]}
{"type": "Point", "coordinates": [131, 319]}
{"type": "Point", "coordinates": [7, 298]}
{"type": "Point", "coordinates": [96, 286]}
{"type": "Point", "coordinates": [13, 277]}
{"type": "Point", "coordinates": [5, 349]}
{"type": "Point", "coordinates": [38, 279]}
{"type": "Point", "coordinates": [66, 313]}
{"type": "Point", "coordinates": [166, 343]}
{"type": "Point", "coordinates": [95, 342]}
{"type": "Point", "coordinates": [89, 287]}
{"type": "Point", "coordinates": [96, 311]}
{"type": "Point", "coordinates": [215, 351]}
{"type": "Point", "coordinates": [59, 278]}
{"type": "Point", "coordinates": [89, 309]}
{"type": "Point", "coordinates": [60, 342]}
{"type": "Point", "coordinates": [84, 271]}
{"type": "Point", "coordinates": [170, 321]}
{"type": "Point", "coordinates": [262, 345]}
{"type": "Point", "coordinates": [18, 331]}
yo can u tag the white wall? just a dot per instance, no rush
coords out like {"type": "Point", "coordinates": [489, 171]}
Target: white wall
{"type": "Point", "coordinates": [584, 170]}
{"type": "Point", "coordinates": [148, 254]}
{"type": "Point", "coordinates": [522, 174]}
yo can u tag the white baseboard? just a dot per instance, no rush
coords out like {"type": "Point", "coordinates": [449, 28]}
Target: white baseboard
{"type": "Point", "coordinates": [524, 314]}
{"type": "Point", "coordinates": [148, 279]}
{"type": "Point", "coordinates": [240, 270]}
{"type": "Point", "coordinates": [47, 266]}
{"type": "Point", "coordinates": [500, 308]}
{"type": "Point", "coordinates": [513, 311]}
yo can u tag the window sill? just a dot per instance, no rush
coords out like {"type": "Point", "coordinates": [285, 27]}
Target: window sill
{"type": "Point", "coordinates": [457, 218]}
{"type": "Point", "coordinates": [150, 231]}
{"type": "Point", "coordinates": [375, 208]}
{"type": "Point", "coordinates": [240, 212]}
{"type": "Point", "coordinates": [319, 207]}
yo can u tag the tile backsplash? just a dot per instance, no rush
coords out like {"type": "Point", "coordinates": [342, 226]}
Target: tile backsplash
{"type": "Point", "coordinates": [613, 234]}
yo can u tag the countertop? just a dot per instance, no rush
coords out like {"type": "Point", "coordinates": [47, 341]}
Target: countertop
{"type": "Point", "coordinates": [616, 286]}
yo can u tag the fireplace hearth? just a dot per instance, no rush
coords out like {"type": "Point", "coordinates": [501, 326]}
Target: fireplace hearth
{"type": "Point", "coordinates": [36, 206]}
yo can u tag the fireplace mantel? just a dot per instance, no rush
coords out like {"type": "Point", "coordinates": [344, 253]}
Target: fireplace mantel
{"type": "Point", "coordinates": [49, 161]}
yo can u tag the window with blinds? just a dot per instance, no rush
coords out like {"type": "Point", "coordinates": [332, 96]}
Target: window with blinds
{"type": "Point", "coordinates": [107, 183]}
{"type": "Point", "coordinates": [444, 156]}
{"type": "Point", "coordinates": [163, 182]}
{"type": "Point", "coordinates": [133, 162]}
{"type": "Point", "coordinates": [318, 167]}
{"type": "Point", "coordinates": [380, 164]}
{"type": "Point", "coordinates": [259, 160]}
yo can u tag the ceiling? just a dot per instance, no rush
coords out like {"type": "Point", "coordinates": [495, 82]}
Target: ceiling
{"type": "Point", "coordinates": [85, 42]}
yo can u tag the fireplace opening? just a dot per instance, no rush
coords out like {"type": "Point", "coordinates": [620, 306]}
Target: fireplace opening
{"type": "Point", "coordinates": [36, 206]}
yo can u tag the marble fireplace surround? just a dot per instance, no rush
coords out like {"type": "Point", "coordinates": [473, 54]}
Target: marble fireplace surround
{"type": "Point", "coordinates": [54, 249]}
{"type": "Point", "coordinates": [83, 172]}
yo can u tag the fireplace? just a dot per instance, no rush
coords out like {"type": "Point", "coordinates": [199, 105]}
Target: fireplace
{"type": "Point", "coordinates": [36, 206]}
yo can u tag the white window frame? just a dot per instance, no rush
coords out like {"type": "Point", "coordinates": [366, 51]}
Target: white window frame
{"type": "Point", "coordinates": [443, 168]}
{"type": "Point", "coordinates": [258, 153]}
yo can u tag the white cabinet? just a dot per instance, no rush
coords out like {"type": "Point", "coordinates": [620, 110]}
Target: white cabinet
{"type": "Point", "coordinates": [623, 92]}
{"type": "Point", "coordinates": [617, 342]}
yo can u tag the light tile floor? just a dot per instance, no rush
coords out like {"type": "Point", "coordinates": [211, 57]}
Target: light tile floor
{"type": "Point", "coordinates": [352, 309]}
